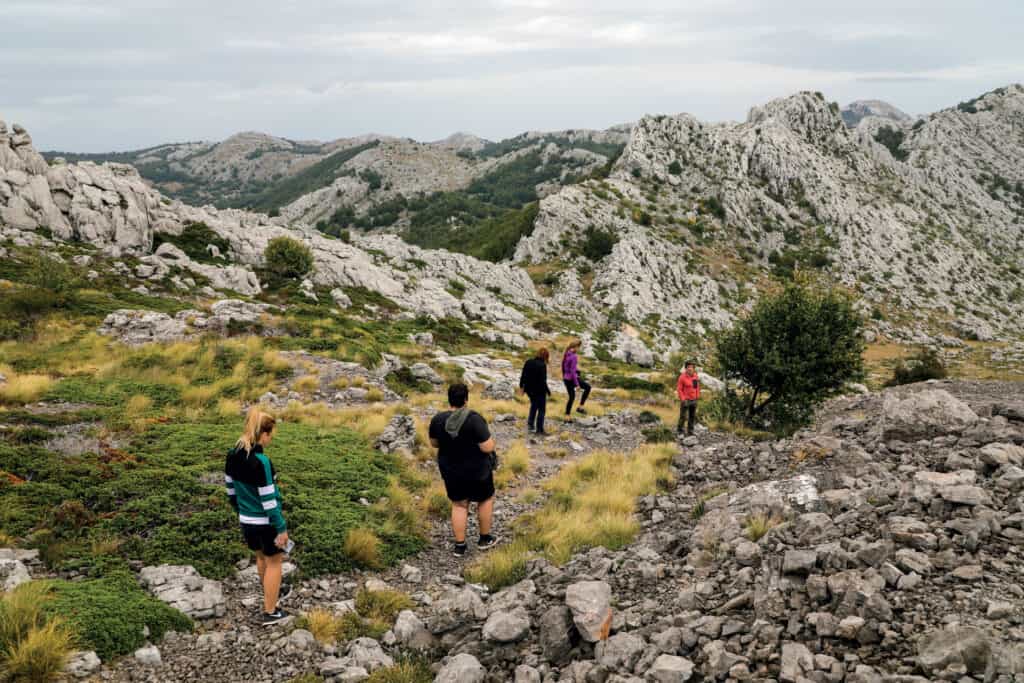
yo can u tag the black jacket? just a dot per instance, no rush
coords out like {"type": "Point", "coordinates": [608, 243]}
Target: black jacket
{"type": "Point", "coordinates": [534, 380]}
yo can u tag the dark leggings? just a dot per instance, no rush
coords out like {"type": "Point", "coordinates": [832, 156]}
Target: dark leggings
{"type": "Point", "coordinates": [570, 387]}
{"type": "Point", "coordinates": [687, 416]}
{"type": "Point", "coordinates": [538, 408]}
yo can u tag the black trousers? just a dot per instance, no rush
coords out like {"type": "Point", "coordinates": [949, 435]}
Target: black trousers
{"type": "Point", "coordinates": [687, 416]}
{"type": "Point", "coordinates": [538, 409]}
{"type": "Point", "coordinates": [570, 387]}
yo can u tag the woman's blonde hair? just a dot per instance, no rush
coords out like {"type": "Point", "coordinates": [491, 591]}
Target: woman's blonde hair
{"type": "Point", "coordinates": [574, 344]}
{"type": "Point", "coordinates": [257, 423]}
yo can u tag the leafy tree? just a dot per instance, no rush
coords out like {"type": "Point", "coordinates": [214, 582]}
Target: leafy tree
{"type": "Point", "coordinates": [796, 347]}
{"type": "Point", "coordinates": [287, 259]}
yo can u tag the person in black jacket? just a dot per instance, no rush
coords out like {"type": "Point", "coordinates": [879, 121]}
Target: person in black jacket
{"type": "Point", "coordinates": [534, 383]}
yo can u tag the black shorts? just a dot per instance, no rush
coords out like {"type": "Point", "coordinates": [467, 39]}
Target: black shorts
{"type": "Point", "coordinates": [260, 538]}
{"type": "Point", "coordinates": [473, 490]}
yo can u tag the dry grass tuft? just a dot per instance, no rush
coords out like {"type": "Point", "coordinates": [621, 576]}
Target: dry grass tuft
{"type": "Point", "coordinates": [24, 388]}
{"type": "Point", "coordinates": [41, 654]}
{"type": "Point", "coordinates": [307, 384]}
{"type": "Point", "coordinates": [591, 503]}
{"type": "Point", "coordinates": [363, 547]}
{"type": "Point", "coordinates": [324, 626]}
{"type": "Point", "coordinates": [759, 524]}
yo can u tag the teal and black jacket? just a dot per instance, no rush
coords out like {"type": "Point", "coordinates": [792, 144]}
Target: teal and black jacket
{"type": "Point", "coordinates": [249, 477]}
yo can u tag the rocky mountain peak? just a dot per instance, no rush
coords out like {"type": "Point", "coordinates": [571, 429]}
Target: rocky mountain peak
{"type": "Point", "coordinates": [855, 112]}
{"type": "Point", "coordinates": [808, 114]}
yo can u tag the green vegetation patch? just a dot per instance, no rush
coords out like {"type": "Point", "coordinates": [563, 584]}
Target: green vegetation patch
{"type": "Point", "coordinates": [109, 614]}
{"type": "Point", "coordinates": [161, 498]}
{"type": "Point", "coordinates": [193, 240]}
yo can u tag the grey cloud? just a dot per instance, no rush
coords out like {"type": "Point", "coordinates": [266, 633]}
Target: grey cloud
{"type": "Point", "coordinates": [106, 74]}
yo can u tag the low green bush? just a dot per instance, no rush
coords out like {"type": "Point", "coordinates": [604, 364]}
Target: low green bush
{"type": "Point", "coordinates": [109, 614]}
{"type": "Point", "coordinates": [154, 496]}
{"type": "Point", "coordinates": [193, 240]}
{"type": "Point", "coordinates": [922, 366]}
{"type": "Point", "coordinates": [286, 260]}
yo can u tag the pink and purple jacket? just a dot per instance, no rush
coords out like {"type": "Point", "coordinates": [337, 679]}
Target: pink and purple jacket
{"type": "Point", "coordinates": [570, 371]}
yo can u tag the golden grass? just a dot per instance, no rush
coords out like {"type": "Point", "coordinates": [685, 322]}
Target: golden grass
{"type": "Point", "coordinates": [41, 654]}
{"type": "Point", "coordinates": [341, 383]}
{"type": "Point", "coordinates": [307, 384]}
{"type": "Point", "coordinates": [368, 421]}
{"type": "Point", "coordinates": [436, 503]}
{"type": "Point", "coordinates": [26, 388]}
{"type": "Point", "coordinates": [229, 407]}
{"type": "Point", "coordinates": [591, 503]}
{"type": "Point", "coordinates": [374, 395]}
{"type": "Point", "coordinates": [363, 547]}
{"type": "Point", "coordinates": [106, 545]}
{"type": "Point", "coordinates": [324, 626]}
{"type": "Point", "coordinates": [382, 605]}
{"type": "Point", "coordinates": [516, 458]}
{"type": "Point", "coordinates": [759, 524]}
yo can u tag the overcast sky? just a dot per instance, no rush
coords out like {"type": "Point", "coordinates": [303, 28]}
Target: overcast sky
{"type": "Point", "coordinates": [98, 75]}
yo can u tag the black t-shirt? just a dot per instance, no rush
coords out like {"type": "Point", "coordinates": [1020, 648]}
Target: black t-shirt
{"type": "Point", "coordinates": [461, 457]}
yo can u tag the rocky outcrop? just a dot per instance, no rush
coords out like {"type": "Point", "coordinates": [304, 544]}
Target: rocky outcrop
{"type": "Point", "coordinates": [184, 589]}
{"type": "Point", "coordinates": [135, 327]}
{"type": "Point", "coordinates": [793, 185]}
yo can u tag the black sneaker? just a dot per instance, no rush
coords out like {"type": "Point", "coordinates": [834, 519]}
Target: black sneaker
{"type": "Point", "coordinates": [581, 411]}
{"type": "Point", "coordinates": [459, 550]}
{"type": "Point", "coordinates": [541, 433]}
{"type": "Point", "coordinates": [487, 541]}
{"type": "Point", "coordinates": [274, 617]}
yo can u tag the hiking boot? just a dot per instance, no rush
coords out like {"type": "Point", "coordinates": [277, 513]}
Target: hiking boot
{"type": "Point", "coordinates": [459, 549]}
{"type": "Point", "coordinates": [542, 433]}
{"type": "Point", "coordinates": [487, 541]}
{"type": "Point", "coordinates": [529, 429]}
{"type": "Point", "coordinates": [274, 617]}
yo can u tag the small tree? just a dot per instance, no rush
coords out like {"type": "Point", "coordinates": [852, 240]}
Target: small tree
{"type": "Point", "coordinates": [796, 348]}
{"type": "Point", "coordinates": [598, 243]}
{"type": "Point", "coordinates": [287, 259]}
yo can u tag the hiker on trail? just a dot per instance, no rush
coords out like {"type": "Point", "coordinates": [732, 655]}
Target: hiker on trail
{"type": "Point", "coordinates": [534, 383]}
{"type": "Point", "coordinates": [465, 456]}
{"type": "Point", "coordinates": [688, 390]}
{"type": "Point", "coordinates": [571, 377]}
{"type": "Point", "coordinates": [249, 477]}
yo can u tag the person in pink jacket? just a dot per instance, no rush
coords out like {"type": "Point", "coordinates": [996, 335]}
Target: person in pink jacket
{"type": "Point", "coordinates": [571, 377]}
{"type": "Point", "coordinates": [688, 391]}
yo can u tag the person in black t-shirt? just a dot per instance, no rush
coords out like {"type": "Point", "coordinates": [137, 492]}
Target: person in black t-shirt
{"type": "Point", "coordinates": [464, 447]}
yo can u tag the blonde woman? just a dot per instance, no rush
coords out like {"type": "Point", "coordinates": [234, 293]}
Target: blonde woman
{"type": "Point", "coordinates": [249, 477]}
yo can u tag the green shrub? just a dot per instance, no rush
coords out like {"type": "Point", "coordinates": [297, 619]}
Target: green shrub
{"type": "Point", "coordinates": [598, 243]}
{"type": "Point", "coordinates": [923, 366]}
{"type": "Point", "coordinates": [795, 348]}
{"type": "Point", "coordinates": [892, 139]}
{"type": "Point", "coordinates": [193, 240]}
{"type": "Point", "coordinates": [402, 382]}
{"type": "Point", "coordinates": [109, 614]}
{"type": "Point", "coordinates": [287, 259]}
{"type": "Point", "coordinates": [658, 434]}
{"type": "Point", "coordinates": [675, 168]}
{"type": "Point", "coordinates": [631, 384]}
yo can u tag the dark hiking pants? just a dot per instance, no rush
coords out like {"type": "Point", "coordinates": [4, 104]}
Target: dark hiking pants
{"type": "Point", "coordinates": [687, 416]}
{"type": "Point", "coordinates": [570, 387]}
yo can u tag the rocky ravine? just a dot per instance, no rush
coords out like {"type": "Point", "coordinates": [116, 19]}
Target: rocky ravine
{"type": "Point", "coordinates": [892, 554]}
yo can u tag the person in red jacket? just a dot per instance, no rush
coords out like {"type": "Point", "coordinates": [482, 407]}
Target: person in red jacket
{"type": "Point", "coordinates": [688, 391]}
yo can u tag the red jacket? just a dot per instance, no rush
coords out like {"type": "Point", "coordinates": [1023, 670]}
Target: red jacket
{"type": "Point", "coordinates": [688, 387]}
